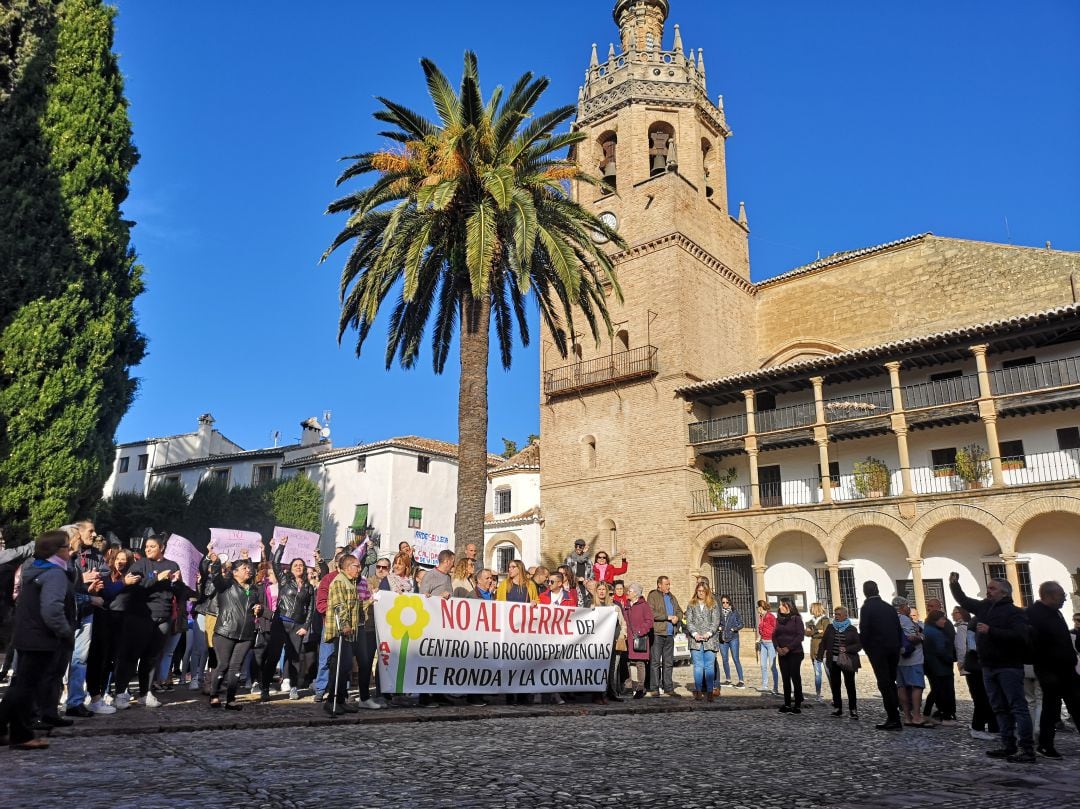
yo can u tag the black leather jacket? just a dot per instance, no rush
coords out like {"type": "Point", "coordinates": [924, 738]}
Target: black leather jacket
{"type": "Point", "coordinates": [236, 618]}
{"type": "Point", "coordinates": [205, 594]}
{"type": "Point", "coordinates": [297, 604]}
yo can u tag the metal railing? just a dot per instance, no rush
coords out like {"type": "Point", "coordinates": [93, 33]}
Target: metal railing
{"type": "Point", "coordinates": [785, 418]}
{"type": "Point", "coordinates": [805, 492]}
{"type": "Point", "coordinates": [848, 488]}
{"type": "Point", "coordinates": [942, 479]}
{"type": "Point", "coordinates": [858, 405]}
{"type": "Point", "coordinates": [1041, 467]}
{"type": "Point", "coordinates": [624, 365]}
{"type": "Point", "coordinates": [941, 392]}
{"type": "Point", "coordinates": [732, 498]}
{"type": "Point", "coordinates": [715, 429]}
{"type": "Point", "coordinates": [1037, 376]}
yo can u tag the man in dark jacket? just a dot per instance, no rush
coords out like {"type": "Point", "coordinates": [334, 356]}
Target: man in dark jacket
{"type": "Point", "coordinates": [44, 633]}
{"type": "Point", "coordinates": [1001, 639]}
{"type": "Point", "coordinates": [1054, 660]}
{"type": "Point", "coordinates": [10, 559]}
{"type": "Point", "coordinates": [879, 633]}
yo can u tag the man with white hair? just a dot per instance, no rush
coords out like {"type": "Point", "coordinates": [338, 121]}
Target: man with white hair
{"type": "Point", "coordinates": [87, 566]}
{"type": "Point", "coordinates": [1001, 639]}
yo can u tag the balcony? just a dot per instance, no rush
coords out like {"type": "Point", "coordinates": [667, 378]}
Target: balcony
{"type": "Point", "coordinates": [702, 432]}
{"type": "Point", "coordinates": [1038, 376]}
{"type": "Point", "coordinates": [785, 418]}
{"type": "Point", "coordinates": [731, 498]}
{"type": "Point", "coordinates": [858, 406]}
{"type": "Point", "coordinates": [942, 392]}
{"type": "Point", "coordinates": [633, 364]}
{"type": "Point", "coordinates": [1041, 467]}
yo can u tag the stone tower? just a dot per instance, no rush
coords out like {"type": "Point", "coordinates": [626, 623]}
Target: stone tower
{"type": "Point", "coordinates": [617, 471]}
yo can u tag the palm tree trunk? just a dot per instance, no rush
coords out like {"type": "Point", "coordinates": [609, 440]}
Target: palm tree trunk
{"type": "Point", "coordinates": [472, 424]}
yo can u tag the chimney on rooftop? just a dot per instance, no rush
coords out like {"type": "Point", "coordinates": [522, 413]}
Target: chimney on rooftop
{"type": "Point", "coordinates": [310, 432]}
{"type": "Point", "coordinates": [205, 434]}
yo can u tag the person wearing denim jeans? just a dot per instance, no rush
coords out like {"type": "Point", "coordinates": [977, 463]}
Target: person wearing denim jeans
{"type": "Point", "coordinates": [1001, 639]}
{"type": "Point", "coordinates": [196, 651]}
{"type": "Point", "coordinates": [76, 676]}
{"type": "Point", "coordinates": [766, 626]}
{"type": "Point", "coordinates": [703, 626]}
{"type": "Point", "coordinates": [730, 624]}
{"type": "Point", "coordinates": [815, 630]}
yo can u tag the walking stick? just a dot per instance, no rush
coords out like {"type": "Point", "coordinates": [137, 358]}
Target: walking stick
{"type": "Point", "coordinates": [337, 663]}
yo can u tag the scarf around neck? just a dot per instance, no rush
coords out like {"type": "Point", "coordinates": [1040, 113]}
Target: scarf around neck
{"type": "Point", "coordinates": [842, 626]}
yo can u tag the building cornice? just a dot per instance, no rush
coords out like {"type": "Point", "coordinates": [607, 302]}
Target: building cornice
{"type": "Point", "coordinates": [692, 249]}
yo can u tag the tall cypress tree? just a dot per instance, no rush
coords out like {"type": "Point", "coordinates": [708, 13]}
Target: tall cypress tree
{"type": "Point", "coordinates": [68, 336]}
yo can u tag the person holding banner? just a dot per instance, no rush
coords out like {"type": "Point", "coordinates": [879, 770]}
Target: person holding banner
{"type": "Point", "coordinates": [239, 605]}
{"type": "Point", "coordinates": [517, 586]}
{"type": "Point", "coordinates": [291, 621]}
{"type": "Point", "coordinates": [703, 625]}
{"type": "Point", "coordinates": [604, 599]}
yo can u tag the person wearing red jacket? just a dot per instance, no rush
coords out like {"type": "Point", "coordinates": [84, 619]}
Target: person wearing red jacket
{"type": "Point", "coordinates": [556, 594]}
{"type": "Point", "coordinates": [603, 570]}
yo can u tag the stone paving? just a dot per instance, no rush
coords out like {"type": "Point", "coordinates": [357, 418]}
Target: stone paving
{"type": "Point", "coordinates": [737, 753]}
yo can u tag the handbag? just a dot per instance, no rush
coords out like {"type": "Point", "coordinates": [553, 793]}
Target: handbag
{"type": "Point", "coordinates": [641, 643]}
{"type": "Point", "coordinates": [845, 661]}
{"type": "Point", "coordinates": [971, 661]}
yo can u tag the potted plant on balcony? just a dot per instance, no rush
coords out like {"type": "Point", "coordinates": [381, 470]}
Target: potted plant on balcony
{"type": "Point", "coordinates": [871, 477]}
{"type": "Point", "coordinates": [972, 465]}
{"type": "Point", "coordinates": [717, 484]}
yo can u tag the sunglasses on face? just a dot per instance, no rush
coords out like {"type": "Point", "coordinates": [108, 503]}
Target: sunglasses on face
{"type": "Point", "coordinates": [553, 581]}
{"type": "Point", "coordinates": [382, 567]}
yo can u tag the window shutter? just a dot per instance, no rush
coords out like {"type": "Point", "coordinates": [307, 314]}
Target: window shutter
{"type": "Point", "coordinates": [360, 517]}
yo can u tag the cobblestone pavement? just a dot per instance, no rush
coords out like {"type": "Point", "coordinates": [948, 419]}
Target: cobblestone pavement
{"type": "Point", "coordinates": [739, 752]}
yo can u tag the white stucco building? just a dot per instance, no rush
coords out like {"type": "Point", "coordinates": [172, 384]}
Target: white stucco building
{"type": "Point", "coordinates": [512, 525]}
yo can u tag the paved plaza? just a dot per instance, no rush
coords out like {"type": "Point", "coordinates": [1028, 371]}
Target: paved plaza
{"type": "Point", "coordinates": [738, 752]}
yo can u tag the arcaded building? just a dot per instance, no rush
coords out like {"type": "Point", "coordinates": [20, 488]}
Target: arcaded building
{"type": "Point", "coordinates": [890, 413]}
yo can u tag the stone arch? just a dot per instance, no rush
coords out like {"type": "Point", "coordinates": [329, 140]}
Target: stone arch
{"type": "Point", "coordinates": [862, 519]}
{"type": "Point", "coordinates": [588, 451]}
{"type": "Point", "coordinates": [803, 347]}
{"type": "Point", "coordinates": [958, 511]}
{"type": "Point", "coordinates": [700, 543]}
{"type": "Point", "coordinates": [607, 156]}
{"type": "Point", "coordinates": [661, 145]}
{"type": "Point", "coordinates": [785, 525]}
{"type": "Point", "coordinates": [501, 538]}
{"type": "Point", "coordinates": [1037, 508]}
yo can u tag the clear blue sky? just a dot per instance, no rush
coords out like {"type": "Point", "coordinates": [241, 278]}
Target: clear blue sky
{"type": "Point", "coordinates": [855, 123]}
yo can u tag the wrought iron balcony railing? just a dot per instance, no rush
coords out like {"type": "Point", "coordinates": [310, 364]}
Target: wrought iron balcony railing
{"type": "Point", "coordinates": [635, 363]}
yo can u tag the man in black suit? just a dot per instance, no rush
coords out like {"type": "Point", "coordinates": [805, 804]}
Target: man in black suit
{"type": "Point", "coordinates": [879, 632]}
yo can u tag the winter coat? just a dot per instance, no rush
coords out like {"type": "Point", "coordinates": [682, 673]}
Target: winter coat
{"type": "Point", "coordinates": [815, 630]}
{"type": "Point", "coordinates": [937, 652]}
{"type": "Point", "coordinates": [569, 598]}
{"type": "Point", "coordinates": [295, 603]}
{"type": "Point", "coordinates": [1052, 645]}
{"type": "Point", "coordinates": [155, 598]}
{"type": "Point", "coordinates": [661, 625]}
{"type": "Point", "coordinates": [1006, 644]}
{"type": "Point", "coordinates": [236, 616]}
{"type": "Point", "coordinates": [730, 626]}
{"type": "Point", "coordinates": [639, 622]}
{"type": "Point", "coordinates": [579, 565]}
{"type": "Point", "coordinates": [701, 620]}
{"type": "Point", "coordinates": [502, 592]}
{"type": "Point", "coordinates": [789, 634]}
{"type": "Point", "coordinates": [879, 628]}
{"type": "Point", "coordinates": [849, 640]}
{"type": "Point", "coordinates": [610, 572]}
{"type": "Point", "coordinates": [45, 610]}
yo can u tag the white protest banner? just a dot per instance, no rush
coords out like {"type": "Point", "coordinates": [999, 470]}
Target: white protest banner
{"type": "Point", "coordinates": [301, 544]}
{"type": "Point", "coordinates": [472, 646]}
{"type": "Point", "coordinates": [230, 542]}
{"type": "Point", "coordinates": [426, 547]}
{"type": "Point", "coordinates": [187, 556]}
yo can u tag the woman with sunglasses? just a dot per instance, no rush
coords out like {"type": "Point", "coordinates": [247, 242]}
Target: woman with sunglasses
{"type": "Point", "coordinates": [603, 570]}
{"type": "Point", "coordinates": [730, 624]}
{"type": "Point", "coordinates": [703, 626]}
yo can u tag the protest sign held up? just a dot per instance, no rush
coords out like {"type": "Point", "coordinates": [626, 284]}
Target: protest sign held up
{"type": "Point", "coordinates": [186, 556]}
{"type": "Point", "coordinates": [301, 544]}
{"type": "Point", "coordinates": [231, 542]}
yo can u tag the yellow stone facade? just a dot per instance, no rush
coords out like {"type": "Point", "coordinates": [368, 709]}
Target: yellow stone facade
{"type": "Point", "coordinates": [618, 468]}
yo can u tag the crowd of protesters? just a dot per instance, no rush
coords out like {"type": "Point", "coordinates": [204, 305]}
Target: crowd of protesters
{"type": "Point", "coordinates": [120, 627]}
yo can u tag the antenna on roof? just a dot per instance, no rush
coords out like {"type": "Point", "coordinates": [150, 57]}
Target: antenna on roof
{"type": "Point", "coordinates": [1008, 233]}
{"type": "Point", "coordinates": [275, 437]}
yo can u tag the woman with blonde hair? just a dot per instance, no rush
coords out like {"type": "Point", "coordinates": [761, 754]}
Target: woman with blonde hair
{"type": "Point", "coordinates": [703, 626]}
{"type": "Point", "coordinates": [815, 630]}
{"type": "Point", "coordinates": [400, 578]}
{"type": "Point", "coordinates": [517, 586]}
{"type": "Point", "coordinates": [463, 577]}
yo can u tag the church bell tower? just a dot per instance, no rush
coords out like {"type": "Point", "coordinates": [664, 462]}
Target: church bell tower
{"type": "Point", "coordinates": [617, 470]}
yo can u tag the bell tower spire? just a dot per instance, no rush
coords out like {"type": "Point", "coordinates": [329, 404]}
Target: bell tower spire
{"type": "Point", "coordinates": [641, 23]}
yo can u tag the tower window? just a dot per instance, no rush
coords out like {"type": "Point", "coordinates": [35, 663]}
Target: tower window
{"type": "Point", "coordinates": [650, 41]}
{"type": "Point", "coordinates": [608, 165]}
{"type": "Point", "coordinates": [588, 446]}
{"type": "Point", "coordinates": [622, 340]}
{"type": "Point", "coordinates": [661, 149]}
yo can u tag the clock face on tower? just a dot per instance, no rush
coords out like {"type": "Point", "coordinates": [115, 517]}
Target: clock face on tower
{"type": "Point", "coordinates": [609, 219]}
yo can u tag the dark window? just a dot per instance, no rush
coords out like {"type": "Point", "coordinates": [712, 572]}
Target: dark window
{"type": "Point", "coordinates": [943, 460]}
{"type": "Point", "coordinates": [123, 466]}
{"type": "Point", "coordinates": [423, 463]}
{"type": "Point", "coordinates": [361, 463]}
{"type": "Point", "coordinates": [263, 474]}
{"type": "Point", "coordinates": [415, 517]}
{"type": "Point", "coordinates": [503, 557]}
{"type": "Point", "coordinates": [769, 484]}
{"type": "Point", "coordinates": [1068, 438]}
{"type": "Point", "coordinates": [144, 460]}
{"type": "Point", "coordinates": [933, 588]}
{"type": "Point", "coordinates": [172, 479]}
{"type": "Point", "coordinates": [1012, 454]}
{"type": "Point", "coordinates": [1019, 362]}
{"type": "Point", "coordinates": [847, 591]}
{"type": "Point", "coordinates": [943, 375]}
{"type": "Point", "coordinates": [996, 570]}
{"type": "Point", "coordinates": [221, 475]}
{"type": "Point", "coordinates": [765, 401]}
{"type": "Point", "coordinates": [734, 576]}
{"type": "Point", "coordinates": [834, 473]}
{"type": "Point", "coordinates": [502, 501]}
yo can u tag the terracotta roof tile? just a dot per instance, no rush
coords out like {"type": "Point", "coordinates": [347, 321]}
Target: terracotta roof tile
{"type": "Point", "coordinates": [528, 458]}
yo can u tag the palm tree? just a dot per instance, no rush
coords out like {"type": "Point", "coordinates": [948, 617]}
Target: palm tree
{"type": "Point", "coordinates": [468, 214]}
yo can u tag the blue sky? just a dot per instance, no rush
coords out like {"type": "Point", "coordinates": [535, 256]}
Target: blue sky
{"type": "Point", "coordinates": [855, 123]}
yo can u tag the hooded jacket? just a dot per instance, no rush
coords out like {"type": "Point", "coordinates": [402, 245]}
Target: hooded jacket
{"type": "Point", "coordinates": [45, 611]}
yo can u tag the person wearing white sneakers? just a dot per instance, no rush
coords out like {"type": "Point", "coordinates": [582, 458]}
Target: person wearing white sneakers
{"type": "Point", "coordinates": [118, 585]}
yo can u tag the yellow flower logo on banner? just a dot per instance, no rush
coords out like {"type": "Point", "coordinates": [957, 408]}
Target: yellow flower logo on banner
{"type": "Point", "coordinates": [403, 631]}
{"type": "Point", "coordinates": [396, 617]}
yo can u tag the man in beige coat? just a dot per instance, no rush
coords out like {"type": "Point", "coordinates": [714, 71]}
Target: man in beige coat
{"type": "Point", "coordinates": [667, 614]}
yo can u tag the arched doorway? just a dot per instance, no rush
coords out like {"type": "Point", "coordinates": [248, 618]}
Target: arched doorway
{"type": "Point", "coordinates": [962, 546]}
{"type": "Point", "coordinates": [791, 561]}
{"type": "Point", "coordinates": [1047, 550]}
{"type": "Point", "coordinates": [501, 549]}
{"type": "Point", "coordinates": [727, 562]}
{"type": "Point", "coordinates": [874, 553]}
